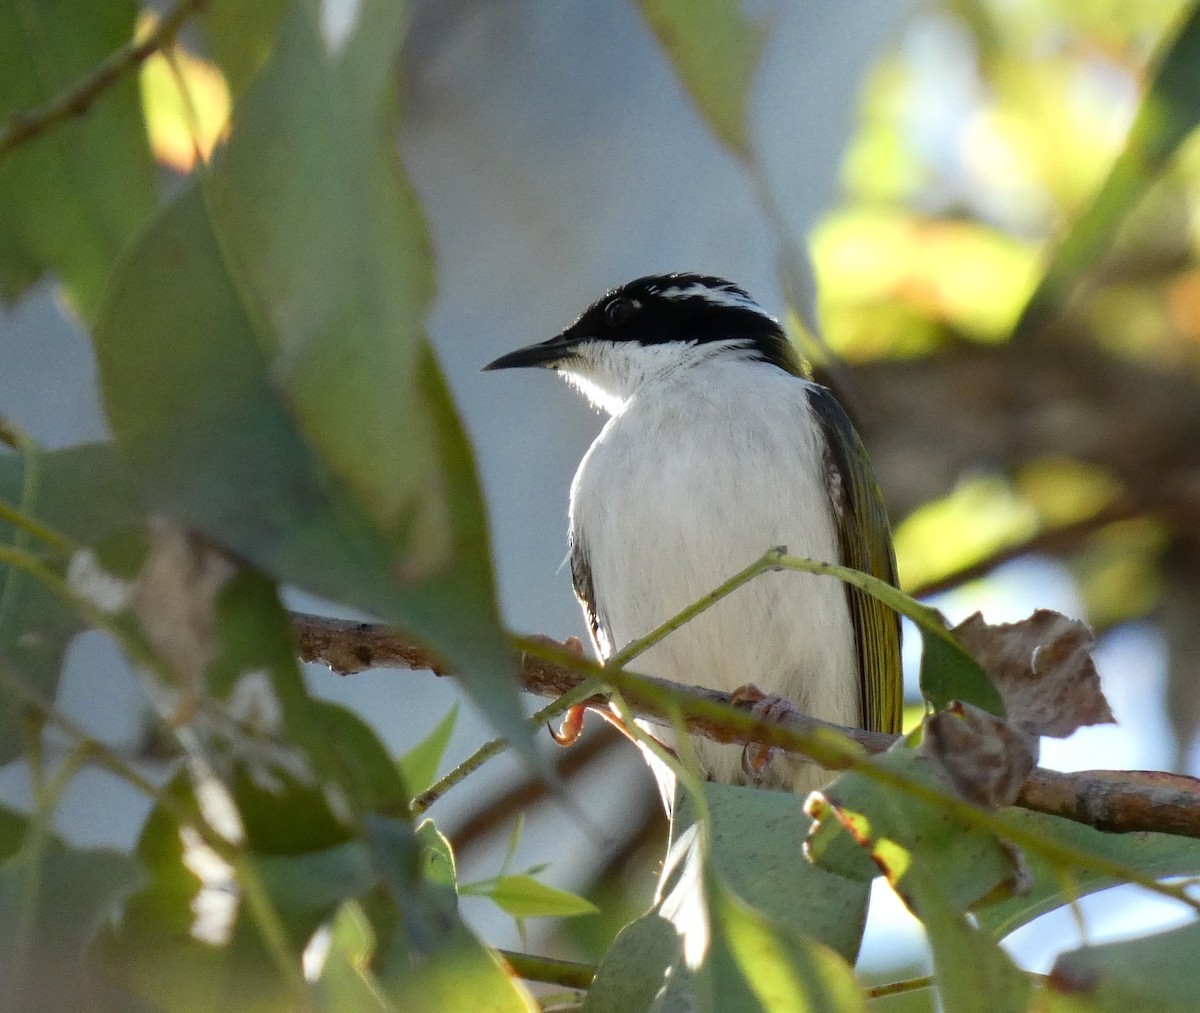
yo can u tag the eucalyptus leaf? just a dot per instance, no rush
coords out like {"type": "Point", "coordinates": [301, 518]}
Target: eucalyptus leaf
{"type": "Point", "coordinates": [346, 984]}
{"type": "Point", "coordinates": [785, 972]}
{"type": "Point", "coordinates": [900, 833]}
{"type": "Point", "coordinates": [522, 896]}
{"type": "Point", "coordinates": [736, 873]}
{"type": "Point", "coordinates": [264, 369]}
{"type": "Point", "coordinates": [241, 36]}
{"type": "Point", "coordinates": [72, 198]}
{"type": "Point", "coordinates": [716, 51]}
{"type": "Point", "coordinates": [427, 957]}
{"type": "Point", "coordinates": [1153, 974]}
{"type": "Point", "coordinates": [53, 901]}
{"type": "Point", "coordinates": [419, 766]}
{"type": "Point", "coordinates": [941, 867]}
{"type": "Point", "coordinates": [1157, 855]}
{"type": "Point", "coordinates": [84, 494]}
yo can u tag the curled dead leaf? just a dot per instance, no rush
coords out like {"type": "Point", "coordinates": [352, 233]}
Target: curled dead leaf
{"type": "Point", "coordinates": [174, 598]}
{"type": "Point", "coordinates": [1043, 668]}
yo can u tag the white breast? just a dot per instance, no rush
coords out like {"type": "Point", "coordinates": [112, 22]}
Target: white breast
{"type": "Point", "coordinates": [695, 477]}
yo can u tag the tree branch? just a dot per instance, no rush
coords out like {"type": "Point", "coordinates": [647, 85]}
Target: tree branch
{"type": "Point", "coordinates": [24, 125]}
{"type": "Point", "coordinates": [1118, 801]}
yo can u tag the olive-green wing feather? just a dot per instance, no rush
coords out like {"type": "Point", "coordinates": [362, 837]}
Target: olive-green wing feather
{"type": "Point", "coordinates": [865, 540]}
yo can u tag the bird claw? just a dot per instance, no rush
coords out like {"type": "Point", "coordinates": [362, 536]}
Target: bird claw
{"type": "Point", "coordinates": [571, 726]}
{"type": "Point", "coordinates": [757, 756]}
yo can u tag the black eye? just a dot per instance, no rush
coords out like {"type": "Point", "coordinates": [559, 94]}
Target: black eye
{"type": "Point", "coordinates": [619, 311]}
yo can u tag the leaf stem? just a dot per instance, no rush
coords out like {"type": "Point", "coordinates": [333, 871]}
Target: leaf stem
{"type": "Point", "coordinates": [495, 747]}
{"type": "Point", "coordinates": [568, 973]}
{"type": "Point", "coordinates": [768, 561]}
{"type": "Point", "coordinates": [899, 987]}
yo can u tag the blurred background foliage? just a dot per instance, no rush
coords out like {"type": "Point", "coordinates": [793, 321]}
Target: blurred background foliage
{"type": "Point", "coordinates": [984, 133]}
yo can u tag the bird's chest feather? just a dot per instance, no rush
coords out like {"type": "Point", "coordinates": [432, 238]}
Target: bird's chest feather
{"type": "Point", "coordinates": [684, 488]}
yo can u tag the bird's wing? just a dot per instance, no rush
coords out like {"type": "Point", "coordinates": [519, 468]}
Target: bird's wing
{"type": "Point", "coordinates": [585, 591]}
{"type": "Point", "coordinates": [866, 544]}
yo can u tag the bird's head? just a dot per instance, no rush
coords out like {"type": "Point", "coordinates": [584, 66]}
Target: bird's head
{"type": "Point", "coordinates": [652, 326]}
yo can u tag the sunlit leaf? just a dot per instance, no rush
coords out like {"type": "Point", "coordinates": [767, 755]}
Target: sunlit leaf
{"type": "Point", "coordinates": [725, 883]}
{"type": "Point", "coordinates": [186, 102]}
{"type": "Point", "coordinates": [345, 982]}
{"type": "Point", "coordinates": [72, 198]}
{"type": "Point", "coordinates": [901, 834]}
{"type": "Point", "coordinates": [786, 972]}
{"type": "Point", "coordinates": [522, 896]}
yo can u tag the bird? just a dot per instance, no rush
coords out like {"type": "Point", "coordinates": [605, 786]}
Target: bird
{"type": "Point", "coordinates": [719, 445]}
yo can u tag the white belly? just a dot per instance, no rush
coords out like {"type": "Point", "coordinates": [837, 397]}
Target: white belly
{"type": "Point", "coordinates": [690, 483]}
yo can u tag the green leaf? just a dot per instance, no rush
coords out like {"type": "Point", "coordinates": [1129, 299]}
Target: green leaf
{"type": "Point", "coordinates": [346, 984]}
{"type": "Point", "coordinates": [732, 874]}
{"type": "Point", "coordinates": [241, 36]}
{"type": "Point", "coordinates": [786, 972]}
{"type": "Point", "coordinates": [901, 833]}
{"type": "Point", "coordinates": [643, 963]}
{"type": "Point", "coordinates": [1158, 855]}
{"type": "Point", "coordinates": [972, 973]}
{"type": "Point", "coordinates": [188, 940]}
{"type": "Point", "coordinates": [941, 867]}
{"type": "Point", "coordinates": [1168, 114]}
{"type": "Point", "coordinates": [270, 337]}
{"type": "Point", "coordinates": [427, 958]}
{"type": "Point", "coordinates": [419, 766]}
{"type": "Point", "coordinates": [948, 672]}
{"type": "Point", "coordinates": [53, 901]}
{"type": "Point", "coordinates": [84, 493]}
{"type": "Point", "coordinates": [1154, 974]}
{"type": "Point", "coordinates": [716, 51]}
{"type": "Point", "coordinates": [72, 198]}
{"type": "Point", "coordinates": [522, 896]}
{"type": "Point", "coordinates": [757, 848]}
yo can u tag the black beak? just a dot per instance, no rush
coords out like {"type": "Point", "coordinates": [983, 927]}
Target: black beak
{"type": "Point", "coordinates": [546, 354]}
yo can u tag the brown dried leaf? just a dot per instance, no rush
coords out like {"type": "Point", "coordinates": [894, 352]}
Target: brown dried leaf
{"type": "Point", "coordinates": [986, 758]}
{"type": "Point", "coordinates": [1043, 668]}
{"type": "Point", "coordinates": [174, 598]}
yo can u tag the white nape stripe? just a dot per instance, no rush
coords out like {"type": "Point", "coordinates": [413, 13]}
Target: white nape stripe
{"type": "Point", "coordinates": [716, 296]}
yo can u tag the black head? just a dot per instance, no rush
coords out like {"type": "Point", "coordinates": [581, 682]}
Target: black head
{"type": "Point", "coordinates": [659, 309]}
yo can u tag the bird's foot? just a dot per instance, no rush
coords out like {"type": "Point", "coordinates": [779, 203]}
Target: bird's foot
{"type": "Point", "coordinates": [757, 756]}
{"type": "Point", "coordinates": [571, 726]}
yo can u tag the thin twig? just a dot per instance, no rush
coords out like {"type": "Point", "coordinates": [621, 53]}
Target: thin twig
{"type": "Point", "coordinates": [25, 125]}
{"type": "Point", "coordinates": [1094, 798]}
{"type": "Point", "coordinates": [521, 796]}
